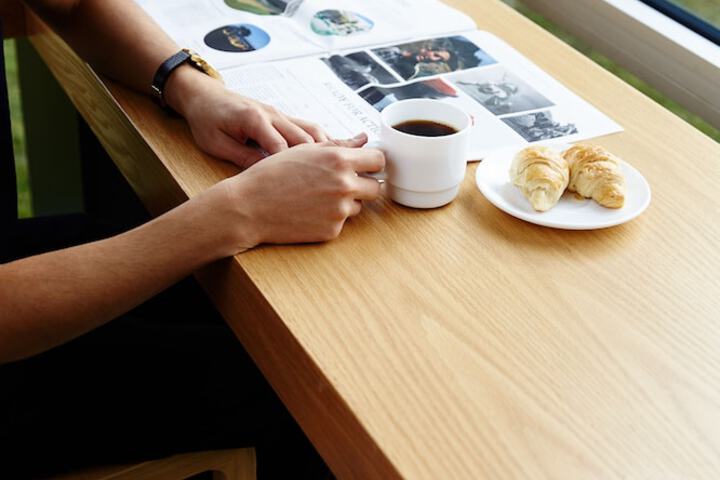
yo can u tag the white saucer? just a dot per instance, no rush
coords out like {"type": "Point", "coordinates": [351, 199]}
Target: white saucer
{"type": "Point", "coordinates": [493, 180]}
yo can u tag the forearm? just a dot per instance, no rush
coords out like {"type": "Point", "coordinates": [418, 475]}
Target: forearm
{"type": "Point", "coordinates": [122, 42]}
{"type": "Point", "coordinates": [51, 298]}
{"type": "Point", "coordinates": [115, 36]}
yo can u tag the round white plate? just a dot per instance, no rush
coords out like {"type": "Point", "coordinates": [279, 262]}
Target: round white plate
{"type": "Point", "coordinates": [570, 213]}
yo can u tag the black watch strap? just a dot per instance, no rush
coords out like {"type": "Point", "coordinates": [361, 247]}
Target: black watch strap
{"type": "Point", "coordinates": [163, 74]}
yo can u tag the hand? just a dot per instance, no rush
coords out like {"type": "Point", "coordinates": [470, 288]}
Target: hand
{"type": "Point", "coordinates": [222, 122]}
{"type": "Point", "coordinates": [304, 194]}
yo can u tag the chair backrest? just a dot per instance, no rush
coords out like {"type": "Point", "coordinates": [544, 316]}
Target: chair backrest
{"type": "Point", "coordinates": [235, 464]}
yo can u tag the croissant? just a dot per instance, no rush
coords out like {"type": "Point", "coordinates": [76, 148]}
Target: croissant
{"type": "Point", "coordinates": [542, 175]}
{"type": "Point", "coordinates": [595, 173]}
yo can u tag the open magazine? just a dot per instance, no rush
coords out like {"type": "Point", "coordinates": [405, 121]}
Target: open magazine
{"type": "Point", "coordinates": [340, 62]}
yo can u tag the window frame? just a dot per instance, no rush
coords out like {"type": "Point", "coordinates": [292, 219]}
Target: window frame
{"type": "Point", "coordinates": [686, 18]}
{"type": "Point", "coordinates": [679, 62]}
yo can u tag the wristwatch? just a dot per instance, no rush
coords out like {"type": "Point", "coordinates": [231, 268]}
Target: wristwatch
{"type": "Point", "coordinates": [171, 64]}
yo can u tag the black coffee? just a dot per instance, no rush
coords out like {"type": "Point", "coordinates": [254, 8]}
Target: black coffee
{"type": "Point", "coordinates": [425, 128]}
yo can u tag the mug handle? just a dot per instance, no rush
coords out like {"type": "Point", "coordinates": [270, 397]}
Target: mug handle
{"type": "Point", "coordinates": [380, 176]}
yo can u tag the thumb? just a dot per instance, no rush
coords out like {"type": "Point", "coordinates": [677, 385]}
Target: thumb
{"type": "Point", "coordinates": [355, 142]}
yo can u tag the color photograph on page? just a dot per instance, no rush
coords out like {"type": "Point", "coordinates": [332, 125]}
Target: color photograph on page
{"type": "Point", "coordinates": [512, 102]}
{"type": "Point", "coordinates": [230, 33]}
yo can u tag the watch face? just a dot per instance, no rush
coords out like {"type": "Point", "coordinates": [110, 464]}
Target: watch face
{"type": "Point", "coordinates": [242, 37]}
{"type": "Point", "coordinates": [198, 62]}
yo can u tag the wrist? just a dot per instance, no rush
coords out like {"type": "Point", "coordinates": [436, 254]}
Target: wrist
{"type": "Point", "coordinates": [184, 86]}
{"type": "Point", "coordinates": [230, 217]}
{"type": "Point", "coordinates": [185, 236]}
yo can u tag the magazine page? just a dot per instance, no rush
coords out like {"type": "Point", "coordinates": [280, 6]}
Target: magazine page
{"type": "Point", "coordinates": [227, 36]}
{"type": "Point", "coordinates": [230, 33]}
{"type": "Point", "coordinates": [343, 24]}
{"type": "Point", "coordinates": [513, 103]}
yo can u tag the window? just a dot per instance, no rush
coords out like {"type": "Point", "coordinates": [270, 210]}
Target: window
{"type": "Point", "coordinates": [701, 16]}
{"type": "Point", "coordinates": [681, 61]}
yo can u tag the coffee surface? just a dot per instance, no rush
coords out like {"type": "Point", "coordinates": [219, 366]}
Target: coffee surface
{"type": "Point", "coordinates": [425, 128]}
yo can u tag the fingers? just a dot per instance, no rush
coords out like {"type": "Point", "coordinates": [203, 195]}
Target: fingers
{"type": "Point", "coordinates": [291, 132]}
{"type": "Point", "coordinates": [276, 132]}
{"type": "Point", "coordinates": [227, 148]}
{"type": "Point", "coordinates": [367, 189]}
{"type": "Point", "coordinates": [364, 160]}
{"type": "Point", "coordinates": [269, 138]}
{"type": "Point", "coordinates": [314, 130]}
{"type": "Point", "coordinates": [355, 142]}
{"type": "Point", "coordinates": [355, 209]}
{"type": "Point", "coordinates": [361, 160]}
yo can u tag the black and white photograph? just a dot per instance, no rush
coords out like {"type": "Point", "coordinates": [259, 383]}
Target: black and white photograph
{"type": "Point", "coordinates": [537, 126]}
{"type": "Point", "coordinates": [358, 69]}
{"type": "Point", "coordinates": [380, 98]}
{"type": "Point", "coordinates": [434, 56]}
{"type": "Point", "coordinates": [500, 91]}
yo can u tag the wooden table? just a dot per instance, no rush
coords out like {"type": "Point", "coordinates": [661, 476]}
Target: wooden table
{"type": "Point", "coordinates": [461, 342]}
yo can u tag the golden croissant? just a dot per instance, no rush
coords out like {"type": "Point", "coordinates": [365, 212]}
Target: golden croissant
{"type": "Point", "coordinates": [542, 175]}
{"type": "Point", "coordinates": [595, 173]}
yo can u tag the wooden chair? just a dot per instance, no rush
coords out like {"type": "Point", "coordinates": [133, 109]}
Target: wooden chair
{"type": "Point", "coordinates": [236, 464]}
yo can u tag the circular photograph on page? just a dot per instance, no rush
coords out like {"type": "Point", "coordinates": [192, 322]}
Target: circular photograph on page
{"type": "Point", "coordinates": [340, 23]}
{"type": "Point", "coordinates": [242, 37]}
{"type": "Point", "coordinates": [266, 7]}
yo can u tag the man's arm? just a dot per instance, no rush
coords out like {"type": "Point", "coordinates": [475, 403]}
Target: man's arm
{"type": "Point", "coordinates": [301, 195]}
{"type": "Point", "coordinates": [121, 41]}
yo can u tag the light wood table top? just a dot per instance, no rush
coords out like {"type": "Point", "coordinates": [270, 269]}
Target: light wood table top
{"type": "Point", "coordinates": [462, 342]}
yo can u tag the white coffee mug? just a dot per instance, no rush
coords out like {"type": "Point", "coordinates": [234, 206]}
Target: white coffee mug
{"type": "Point", "coordinates": [423, 172]}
